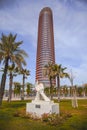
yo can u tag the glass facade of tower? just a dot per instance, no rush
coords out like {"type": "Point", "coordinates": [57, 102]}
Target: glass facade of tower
{"type": "Point", "coordinates": [45, 44]}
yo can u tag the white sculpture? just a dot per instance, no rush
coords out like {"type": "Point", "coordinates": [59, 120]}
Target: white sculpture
{"type": "Point", "coordinates": [38, 106]}
{"type": "Point", "coordinates": [40, 91]}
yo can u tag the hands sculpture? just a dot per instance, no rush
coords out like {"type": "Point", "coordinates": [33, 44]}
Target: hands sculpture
{"type": "Point", "coordinates": [40, 91]}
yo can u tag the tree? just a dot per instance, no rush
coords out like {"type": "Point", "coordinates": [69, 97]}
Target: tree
{"type": "Point", "coordinates": [74, 98]}
{"type": "Point", "coordinates": [65, 90]}
{"type": "Point", "coordinates": [11, 73]}
{"type": "Point", "coordinates": [24, 73]}
{"type": "Point", "coordinates": [48, 71]}
{"type": "Point", "coordinates": [85, 89]}
{"type": "Point", "coordinates": [80, 91]}
{"type": "Point", "coordinates": [28, 90]}
{"type": "Point", "coordinates": [10, 52]}
{"type": "Point", "coordinates": [17, 88]}
{"type": "Point", "coordinates": [59, 73]}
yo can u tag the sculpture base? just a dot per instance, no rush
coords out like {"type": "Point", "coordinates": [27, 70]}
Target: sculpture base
{"type": "Point", "coordinates": [40, 107]}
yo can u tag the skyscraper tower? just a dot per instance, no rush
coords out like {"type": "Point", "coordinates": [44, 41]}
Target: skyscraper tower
{"type": "Point", "coordinates": [45, 44]}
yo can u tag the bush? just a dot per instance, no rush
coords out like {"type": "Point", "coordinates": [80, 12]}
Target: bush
{"type": "Point", "coordinates": [51, 119]}
{"type": "Point", "coordinates": [55, 119]}
{"type": "Point", "coordinates": [23, 114]}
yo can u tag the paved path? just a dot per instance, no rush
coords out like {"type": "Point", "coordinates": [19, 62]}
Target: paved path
{"type": "Point", "coordinates": [32, 98]}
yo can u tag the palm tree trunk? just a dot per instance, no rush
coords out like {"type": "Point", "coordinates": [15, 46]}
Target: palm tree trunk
{"type": "Point", "coordinates": [3, 81]}
{"type": "Point", "coordinates": [58, 86]}
{"type": "Point", "coordinates": [51, 89]}
{"type": "Point", "coordinates": [22, 94]}
{"type": "Point", "coordinates": [10, 87]}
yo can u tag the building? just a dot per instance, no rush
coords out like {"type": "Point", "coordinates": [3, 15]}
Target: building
{"type": "Point", "coordinates": [45, 44]}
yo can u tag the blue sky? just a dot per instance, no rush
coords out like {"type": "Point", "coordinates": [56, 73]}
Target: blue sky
{"type": "Point", "coordinates": [70, 32]}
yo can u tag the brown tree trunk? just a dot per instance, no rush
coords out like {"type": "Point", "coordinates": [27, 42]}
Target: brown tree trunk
{"type": "Point", "coordinates": [10, 87]}
{"type": "Point", "coordinates": [22, 93]}
{"type": "Point", "coordinates": [51, 89]}
{"type": "Point", "coordinates": [3, 81]}
{"type": "Point", "coordinates": [58, 86]}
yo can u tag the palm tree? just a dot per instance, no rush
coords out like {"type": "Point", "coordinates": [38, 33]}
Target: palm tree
{"type": "Point", "coordinates": [25, 73]}
{"type": "Point", "coordinates": [17, 88]}
{"type": "Point", "coordinates": [80, 91]}
{"type": "Point", "coordinates": [10, 52]}
{"type": "Point", "coordinates": [28, 90]}
{"type": "Point", "coordinates": [12, 72]}
{"type": "Point", "coordinates": [48, 71]}
{"type": "Point", "coordinates": [59, 73]}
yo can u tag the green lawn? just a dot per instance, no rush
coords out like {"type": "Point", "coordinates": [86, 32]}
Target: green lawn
{"type": "Point", "coordinates": [8, 121]}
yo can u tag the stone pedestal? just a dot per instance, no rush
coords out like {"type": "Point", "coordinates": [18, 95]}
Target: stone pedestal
{"type": "Point", "coordinates": [40, 107]}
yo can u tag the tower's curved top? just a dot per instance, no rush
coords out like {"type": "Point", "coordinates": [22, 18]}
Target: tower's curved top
{"type": "Point", "coordinates": [46, 10]}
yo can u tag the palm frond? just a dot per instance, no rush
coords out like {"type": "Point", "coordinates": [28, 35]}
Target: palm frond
{"type": "Point", "coordinates": [11, 49]}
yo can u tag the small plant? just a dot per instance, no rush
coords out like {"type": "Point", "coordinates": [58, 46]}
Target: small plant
{"type": "Point", "coordinates": [44, 117]}
{"type": "Point", "coordinates": [16, 114]}
{"type": "Point", "coordinates": [20, 113]}
{"type": "Point", "coordinates": [51, 119]}
{"type": "Point", "coordinates": [66, 115]}
{"type": "Point", "coordinates": [55, 119]}
{"type": "Point", "coordinates": [23, 114]}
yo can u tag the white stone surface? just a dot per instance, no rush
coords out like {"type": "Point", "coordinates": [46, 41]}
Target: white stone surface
{"type": "Point", "coordinates": [38, 106]}
{"type": "Point", "coordinates": [41, 107]}
{"type": "Point", "coordinates": [40, 92]}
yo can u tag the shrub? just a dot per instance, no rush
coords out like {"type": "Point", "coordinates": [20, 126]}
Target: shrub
{"type": "Point", "coordinates": [55, 119]}
{"type": "Point", "coordinates": [51, 119]}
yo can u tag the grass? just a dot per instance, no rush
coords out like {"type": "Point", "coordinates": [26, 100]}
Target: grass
{"type": "Point", "coordinates": [8, 121]}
